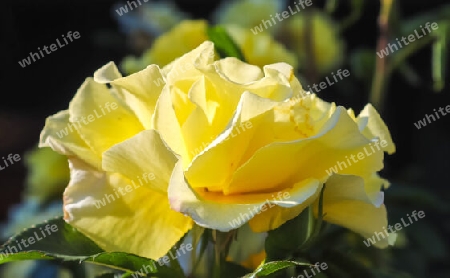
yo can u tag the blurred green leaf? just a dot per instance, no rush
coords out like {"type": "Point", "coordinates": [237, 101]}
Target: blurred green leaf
{"type": "Point", "coordinates": [410, 74]}
{"type": "Point", "coordinates": [400, 56]}
{"type": "Point", "coordinates": [272, 267]}
{"type": "Point", "coordinates": [430, 241]}
{"type": "Point", "coordinates": [108, 275]}
{"type": "Point", "coordinates": [362, 63]}
{"type": "Point", "coordinates": [223, 43]}
{"type": "Point", "coordinates": [231, 269]}
{"type": "Point", "coordinates": [408, 25]}
{"type": "Point", "coordinates": [439, 60]}
{"type": "Point", "coordinates": [414, 196]}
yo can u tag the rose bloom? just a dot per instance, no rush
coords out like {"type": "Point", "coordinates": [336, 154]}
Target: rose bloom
{"type": "Point", "coordinates": [138, 179]}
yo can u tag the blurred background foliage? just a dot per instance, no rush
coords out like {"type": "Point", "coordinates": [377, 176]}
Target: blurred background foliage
{"type": "Point", "coordinates": [331, 35]}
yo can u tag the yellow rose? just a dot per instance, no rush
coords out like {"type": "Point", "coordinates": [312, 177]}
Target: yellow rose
{"type": "Point", "coordinates": [216, 139]}
{"type": "Point", "coordinates": [259, 49]}
{"type": "Point", "coordinates": [265, 148]}
{"type": "Point", "coordinates": [120, 213]}
{"type": "Point", "coordinates": [327, 45]}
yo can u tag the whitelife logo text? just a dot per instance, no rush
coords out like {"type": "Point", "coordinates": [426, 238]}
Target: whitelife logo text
{"type": "Point", "coordinates": [392, 47]}
{"type": "Point", "coordinates": [358, 157]}
{"type": "Point", "coordinates": [124, 9]}
{"type": "Point", "coordinates": [10, 158]}
{"type": "Point", "coordinates": [257, 209]}
{"type": "Point", "coordinates": [151, 268]}
{"type": "Point", "coordinates": [284, 15]}
{"type": "Point", "coordinates": [147, 177]}
{"type": "Point", "coordinates": [423, 123]}
{"type": "Point", "coordinates": [90, 118]}
{"type": "Point", "coordinates": [53, 47]}
{"type": "Point", "coordinates": [397, 226]}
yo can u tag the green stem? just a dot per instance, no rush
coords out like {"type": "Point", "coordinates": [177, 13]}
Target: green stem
{"type": "Point", "coordinates": [380, 74]}
{"type": "Point", "coordinates": [222, 245]}
{"type": "Point", "coordinates": [384, 69]}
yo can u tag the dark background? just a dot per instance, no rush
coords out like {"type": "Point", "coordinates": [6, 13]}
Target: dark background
{"type": "Point", "coordinates": [30, 94]}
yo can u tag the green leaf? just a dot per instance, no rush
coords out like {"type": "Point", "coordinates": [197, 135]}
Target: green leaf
{"type": "Point", "coordinates": [318, 227]}
{"type": "Point", "coordinates": [362, 62]}
{"type": "Point", "coordinates": [127, 275]}
{"type": "Point", "coordinates": [132, 263]}
{"type": "Point", "coordinates": [223, 43]}
{"type": "Point", "coordinates": [276, 245]}
{"type": "Point", "coordinates": [272, 267]}
{"type": "Point", "coordinates": [62, 242]}
{"type": "Point", "coordinates": [68, 245]}
{"type": "Point", "coordinates": [305, 228]}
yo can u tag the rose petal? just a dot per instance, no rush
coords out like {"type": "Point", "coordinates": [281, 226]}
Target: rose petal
{"type": "Point", "coordinates": [101, 120]}
{"type": "Point", "coordinates": [346, 203]}
{"type": "Point", "coordinates": [132, 222]}
{"type": "Point", "coordinates": [142, 154]}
